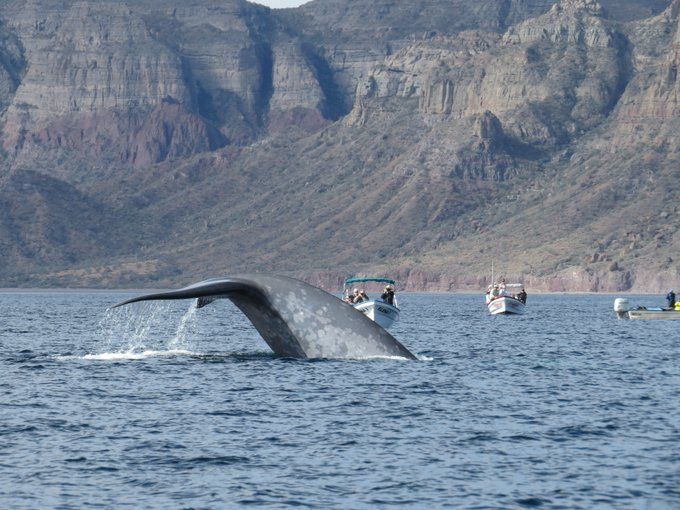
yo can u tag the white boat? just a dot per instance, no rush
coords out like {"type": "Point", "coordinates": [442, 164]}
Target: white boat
{"type": "Point", "coordinates": [505, 299]}
{"type": "Point", "coordinates": [379, 311]}
{"type": "Point", "coordinates": [624, 310]}
{"type": "Point", "coordinates": [506, 305]}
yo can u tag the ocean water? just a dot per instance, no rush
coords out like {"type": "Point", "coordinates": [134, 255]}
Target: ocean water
{"type": "Point", "coordinates": [158, 405]}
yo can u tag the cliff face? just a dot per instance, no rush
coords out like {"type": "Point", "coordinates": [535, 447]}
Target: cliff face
{"type": "Point", "coordinates": [101, 71]}
{"type": "Point", "coordinates": [159, 141]}
{"type": "Point", "coordinates": [355, 35]}
{"type": "Point", "coordinates": [509, 97]}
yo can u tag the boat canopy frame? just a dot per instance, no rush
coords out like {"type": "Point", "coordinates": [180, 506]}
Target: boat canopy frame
{"type": "Point", "coordinates": [350, 281]}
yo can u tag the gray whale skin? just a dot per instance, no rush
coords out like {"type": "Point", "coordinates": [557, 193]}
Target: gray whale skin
{"type": "Point", "coordinates": [296, 319]}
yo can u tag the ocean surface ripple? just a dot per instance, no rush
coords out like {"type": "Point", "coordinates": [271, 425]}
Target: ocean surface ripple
{"type": "Point", "coordinates": [164, 406]}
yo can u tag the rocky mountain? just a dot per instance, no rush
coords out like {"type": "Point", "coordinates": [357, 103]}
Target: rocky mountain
{"type": "Point", "coordinates": [159, 142]}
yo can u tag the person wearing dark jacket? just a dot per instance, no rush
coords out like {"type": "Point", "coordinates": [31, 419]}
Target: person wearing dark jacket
{"type": "Point", "coordinates": [670, 297]}
{"type": "Point", "coordinates": [388, 295]}
{"type": "Point", "coordinates": [522, 296]}
{"type": "Point", "coordinates": [354, 297]}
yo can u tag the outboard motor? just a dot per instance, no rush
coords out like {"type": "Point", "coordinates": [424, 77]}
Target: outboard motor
{"type": "Point", "coordinates": [621, 307]}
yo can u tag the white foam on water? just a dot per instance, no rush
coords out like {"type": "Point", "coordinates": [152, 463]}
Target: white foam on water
{"type": "Point", "coordinates": [129, 356]}
{"type": "Point", "coordinates": [122, 356]}
{"type": "Point", "coordinates": [368, 358]}
{"type": "Point", "coordinates": [419, 357]}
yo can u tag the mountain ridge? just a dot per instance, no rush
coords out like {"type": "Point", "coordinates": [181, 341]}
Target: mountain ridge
{"type": "Point", "coordinates": [426, 155]}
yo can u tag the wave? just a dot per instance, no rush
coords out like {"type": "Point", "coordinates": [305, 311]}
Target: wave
{"type": "Point", "coordinates": [380, 357]}
{"type": "Point", "coordinates": [151, 353]}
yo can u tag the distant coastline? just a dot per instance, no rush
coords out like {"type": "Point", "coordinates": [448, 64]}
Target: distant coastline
{"type": "Point", "coordinates": [121, 290]}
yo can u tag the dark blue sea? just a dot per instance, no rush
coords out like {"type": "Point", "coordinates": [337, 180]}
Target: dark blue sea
{"type": "Point", "coordinates": [163, 406]}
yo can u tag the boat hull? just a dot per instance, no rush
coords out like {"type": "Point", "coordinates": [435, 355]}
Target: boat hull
{"type": "Point", "coordinates": [506, 306]}
{"type": "Point", "coordinates": [380, 312]}
{"type": "Point", "coordinates": [653, 314]}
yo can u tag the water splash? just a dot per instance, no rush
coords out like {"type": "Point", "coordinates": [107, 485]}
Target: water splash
{"type": "Point", "coordinates": [186, 328]}
{"type": "Point", "coordinates": [139, 332]}
{"type": "Point", "coordinates": [129, 329]}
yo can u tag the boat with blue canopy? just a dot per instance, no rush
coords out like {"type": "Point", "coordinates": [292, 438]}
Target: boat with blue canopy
{"type": "Point", "coordinates": [383, 310]}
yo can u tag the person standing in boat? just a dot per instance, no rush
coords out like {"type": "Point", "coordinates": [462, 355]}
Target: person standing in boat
{"type": "Point", "coordinates": [502, 288]}
{"type": "Point", "coordinates": [359, 296]}
{"type": "Point", "coordinates": [670, 297]}
{"type": "Point", "coordinates": [354, 297]}
{"type": "Point", "coordinates": [522, 296]}
{"type": "Point", "coordinates": [388, 295]}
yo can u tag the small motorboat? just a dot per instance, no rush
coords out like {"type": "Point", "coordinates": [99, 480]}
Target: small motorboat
{"type": "Point", "coordinates": [624, 310]}
{"type": "Point", "coordinates": [378, 310]}
{"type": "Point", "coordinates": [506, 299]}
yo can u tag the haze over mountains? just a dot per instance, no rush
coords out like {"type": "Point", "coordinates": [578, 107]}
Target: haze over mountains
{"type": "Point", "coordinates": [158, 142]}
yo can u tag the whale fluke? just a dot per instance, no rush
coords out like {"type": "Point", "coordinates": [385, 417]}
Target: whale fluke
{"type": "Point", "coordinates": [296, 319]}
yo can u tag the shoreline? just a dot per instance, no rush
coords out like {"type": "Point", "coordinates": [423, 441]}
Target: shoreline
{"type": "Point", "coordinates": [89, 290]}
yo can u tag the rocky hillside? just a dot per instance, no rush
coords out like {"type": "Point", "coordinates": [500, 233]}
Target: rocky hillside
{"type": "Point", "coordinates": [160, 142]}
